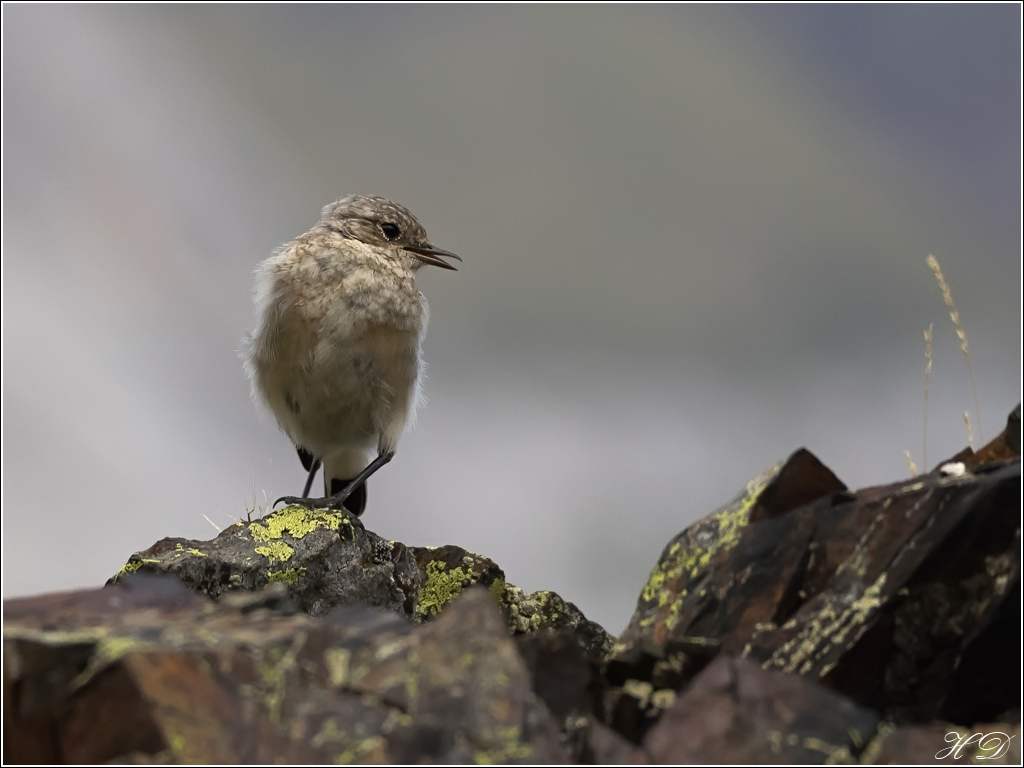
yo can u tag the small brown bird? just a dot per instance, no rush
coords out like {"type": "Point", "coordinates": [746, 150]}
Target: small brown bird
{"type": "Point", "coordinates": [336, 351]}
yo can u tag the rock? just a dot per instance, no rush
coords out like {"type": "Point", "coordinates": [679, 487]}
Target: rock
{"type": "Point", "coordinates": [735, 712]}
{"type": "Point", "coordinates": [673, 610]}
{"type": "Point", "coordinates": [151, 671]}
{"type": "Point", "coordinates": [802, 622]}
{"type": "Point", "coordinates": [1005, 447]}
{"type": "Point", "coordinates": [327, 558]}
{"type": "Point", "coordinates": [902, 597]}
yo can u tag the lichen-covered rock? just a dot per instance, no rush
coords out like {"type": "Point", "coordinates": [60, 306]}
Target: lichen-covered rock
{"type": "Point", "coordinates": [325, 558]}
{"type": "Point", "coordinates": [149, 672]}
{"type": "Point", "coordinates": [447, 571]}
{"type": "Point", "coordinates": [545, 610]}
{"type": "Point", "coordinates": [673, 608]}
{"type": "Point", "coordinates": [782, 627]}
{"type": "Point", "coordinates": [905, 597]}
{"type": "Point", "coordinates": [328, 558]}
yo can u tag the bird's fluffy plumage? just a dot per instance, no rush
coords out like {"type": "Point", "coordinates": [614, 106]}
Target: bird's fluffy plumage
{"type": "Point", "coordinates": [335, 355]}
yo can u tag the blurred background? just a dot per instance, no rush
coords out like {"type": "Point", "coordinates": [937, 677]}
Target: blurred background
{"type": "Point", "coordinates": [694, 241]}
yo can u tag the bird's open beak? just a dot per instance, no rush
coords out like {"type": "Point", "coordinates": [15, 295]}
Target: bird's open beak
{"type": "Point", "coordinates": [431, 254]}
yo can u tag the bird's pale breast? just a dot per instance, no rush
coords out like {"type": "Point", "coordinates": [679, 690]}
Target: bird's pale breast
{"type": "Point", "coordinates": [338, 371]}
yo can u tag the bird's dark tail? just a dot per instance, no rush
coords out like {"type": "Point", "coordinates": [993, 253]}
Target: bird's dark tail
{"type": "Point", "coordinates": [356, 502]}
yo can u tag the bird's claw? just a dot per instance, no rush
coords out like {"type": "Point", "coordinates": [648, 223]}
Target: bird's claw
{"type": "Point", "coordinates": [300, 501]}
{"type": "Point", "coordinates": [328, 502]}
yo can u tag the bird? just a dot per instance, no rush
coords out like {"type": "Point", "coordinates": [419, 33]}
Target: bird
{"type": "Point", "coordinates": [336, 351]}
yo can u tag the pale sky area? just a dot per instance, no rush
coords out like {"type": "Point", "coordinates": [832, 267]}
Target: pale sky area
{"type": "Point", "coordinates": [694, 241]}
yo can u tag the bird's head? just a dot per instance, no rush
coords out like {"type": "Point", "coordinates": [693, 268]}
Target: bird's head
{"type": "Point", "coordinates": [382, 223]}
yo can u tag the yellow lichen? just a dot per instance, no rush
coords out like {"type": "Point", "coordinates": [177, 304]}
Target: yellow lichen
{"type": "Point", "coordinates": [441, 587]}
{"type": "Point", "coordinates": [370, 750]}
{"type": "Point", "coordinates": [287, 576]}
{"type": "Point", "coordinates": [337, 661]}
{"type": "Point", "coordinates": [57, 637]}
{"type": "Point", "coordinates": [132, 566]}
{"type": "Point", "coordinates": [390, 648]}
{"type": "Point", "coordinates": [524, 613]}
{"type": "Point", "coordinates": [112, 648]}
{"type": "Point", "coordinates": [824, 631]}
{"type": "Point", "coordinates": [688, 561]}
{"type": "Point", "coordinates": [176, 743]}
{"type": "Point", "coordinates": [498, 590]}
{"type": "Point", "coordinates": [509, 747]}
{"type": "Point", "coordinates": [834, 752]}
{"type": "Point", "coordinates": [275, 551]}
{"type": "Point", "coordinates": [329, 731]}
{"type": "Point", "coordinates": [107, 649]}
{"type": "Point", "coordinates": [857, 563]}
{"type": "Point", "coordinates": [639, 690]}
{"type": "Point", "coordinates": [180, 551]}
{"type": "Point", "coordinates": [206, 636]}
{"type": "Point", "coordinates": [129, 567]}
{"type": "Point", "coordinates": [275, 674]}
{"type": "Point", "coordinates": [663, 698]}
{"type": "Point", "coordinates": [297, 522]}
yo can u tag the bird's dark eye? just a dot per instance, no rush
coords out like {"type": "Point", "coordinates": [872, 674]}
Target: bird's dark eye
{"type": "Point", "coordinates": [391, 231]}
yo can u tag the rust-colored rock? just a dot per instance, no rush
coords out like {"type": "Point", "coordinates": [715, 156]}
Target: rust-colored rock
{"type": "Point", "coordinates": [890, 595]}
{"type": "Point", "coordinates": [735, 712]}
{"type": "Point", "coordinates": [244, 683]}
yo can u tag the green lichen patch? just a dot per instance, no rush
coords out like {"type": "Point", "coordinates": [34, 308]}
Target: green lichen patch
{"type": "Point", "coordinates": [528, 613]}
{"type": "Point", "coordinates": [830, 627]}
{"type": "Point", "coordinates": [275, 675]}
{"type": "Point", "coordinates": [686, 557]}
{"type": "Point", "coordinates": [369, 749]}
{"type": "Point", "coordinates": [498, 589]}
{"type": "Point", "coordinates": [442, 585]}
{"type": "Point", "coordinates": [87, 636]}
{"type": "Point", "coordinates": [508, 744]}
{"type": "Point", "coordinates": [297, 522]}
{"type": "Point", "coordinates": [874, 748]}
{"type": "Point", "coordinates": [133, 564]}
{"type": "Point", "coordinates": [112, 648]}
{"type": "Point", "coordinates": [276, 551]}
{"type": "Point", "coordinates": [337, 661]}
{"type": "Point", "coordinates": [107, 650]}
{"type": "Point", "coordinates": [130, 567]}
{"type": "Point", "coordinates": [288, 575]}
{"type": "Point", "coordinates": [544, 609]}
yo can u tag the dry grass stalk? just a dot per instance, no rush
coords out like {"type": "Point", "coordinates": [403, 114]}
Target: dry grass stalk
{"type": "Point", "coordinates": [970, 435]}
{"type": "Point", "coordinates": [911, 464]}
{"type": "Point", "coordinates": [255, 507]}
{"type": "Point", "coordinates": [954, 315]}
{"type": "Point", "coordinates": [927, 374]}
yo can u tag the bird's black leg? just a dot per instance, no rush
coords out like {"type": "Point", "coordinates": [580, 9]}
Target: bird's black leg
{"type": "Point", "coordinates": [309, 480]}
{"type": "Point", "coordinates": [335, 501]}
{"type": "Point", "coordinates": [311, 464]}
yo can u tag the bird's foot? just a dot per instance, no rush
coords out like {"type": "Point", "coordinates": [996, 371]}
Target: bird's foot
{"type": "Point", "coordinates": [336, 501]}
